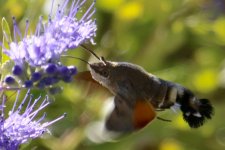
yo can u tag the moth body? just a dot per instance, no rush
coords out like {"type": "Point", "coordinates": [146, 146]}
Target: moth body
{"type": "Point", "coordinates": [135, 89]}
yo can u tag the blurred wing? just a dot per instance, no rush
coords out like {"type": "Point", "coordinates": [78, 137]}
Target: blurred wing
{"type": "Point", "coordinates": [90, 84]}
{"type": "Point", "coordinates": [85, 76]}
{"type": "Point", "coordinates": [126, 119]}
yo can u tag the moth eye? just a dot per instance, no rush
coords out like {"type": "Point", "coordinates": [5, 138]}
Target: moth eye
{"type": "Point", "coordinates": [105, 73]}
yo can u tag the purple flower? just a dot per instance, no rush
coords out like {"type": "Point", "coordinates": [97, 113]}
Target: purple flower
{"type": "Point", "coordinates": [63, 31]}
{"type": "Point", "coordinates": [20, 126]}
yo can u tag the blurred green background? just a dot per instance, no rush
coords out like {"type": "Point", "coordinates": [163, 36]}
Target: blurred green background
{"type": "Point", "coordinates": [178, 40]}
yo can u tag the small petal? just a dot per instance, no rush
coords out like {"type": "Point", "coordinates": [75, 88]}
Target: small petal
{"type": "Point", "coordinates": [36, 76]}
{"type": "Point", "coordinates": [9, 80]}
{"type": "Point", "coordinates": [51, 69]}
{"type": "Point", "coordinates": [17, 70]}
{"type": "Point", "coordinates": [28, 84]}
{"type": "Point", "coordinates": [73, 70]}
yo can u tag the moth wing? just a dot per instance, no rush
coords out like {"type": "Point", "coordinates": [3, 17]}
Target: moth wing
{"type": "Point", "coordinates": [125, 118]}
{"type": "Point", "coordinates": [84, 78]}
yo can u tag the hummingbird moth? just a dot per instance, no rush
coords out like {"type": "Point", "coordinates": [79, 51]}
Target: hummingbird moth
{"type": "Point", "coordinates": [139, 94]}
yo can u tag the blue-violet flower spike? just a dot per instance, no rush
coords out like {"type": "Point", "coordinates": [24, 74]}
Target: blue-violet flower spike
{"type": "Point", "coordinates": [65, 30]}
{"type": "Point", "coordinates": [20, 126]}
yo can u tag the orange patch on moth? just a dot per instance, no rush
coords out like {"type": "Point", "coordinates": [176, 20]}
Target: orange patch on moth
{"type": "Point", "coordinates": [143, 114]}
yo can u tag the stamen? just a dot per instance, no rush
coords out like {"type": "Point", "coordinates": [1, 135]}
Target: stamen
{"type": "Point", "coordinates": [15, 103]}
{"type": "Point", "coordinates": [91, 14]}
{"type": "Point", "coordinates": [24, 99]}
{"type": "Point", "coordinates": [38, 29]}
{"type": "Point", "coordinates": [44, 101]}
{"type": "Point", "coordinates": [30, 109]}
{"type": "Point", "coordinates": [16, 30]}
{"type": "Point", "coordinates": [28, 105]}
{"type": "Point", "coordinates": [87, 12]}
{"type": "Point", "coordinates": [49, 19]}
{"type": "Point", "coordinates": [34, 113]}
{"type": "Point", "coordinates": [3, 105]}
{"type": "Point", "coordinates": [58, 13]}
{"type": "Point", "coordinates": [43, 117]}
{"type": "Point", "coordinates": [81, 4]}
{"type": "Point", "coordinates": [72, 7]}
{"type": "Point", "coordinates": [53, 1]}
{"type": "Point", "coordinates": [64, 5]}
{"type": "Point", "coordinates": [26, 29]}
{"type": "Point", "coordinates": [46, 124]}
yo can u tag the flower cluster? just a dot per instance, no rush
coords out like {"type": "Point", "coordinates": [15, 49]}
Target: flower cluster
{"type": "Point", "coordinates": [37, 57]}
{"type": "Point", "coordinates": [20, 126]}
{"type": "Point", "coordinates": [33, 61]}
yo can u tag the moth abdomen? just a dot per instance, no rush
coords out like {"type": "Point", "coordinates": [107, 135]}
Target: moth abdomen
{"type": "Point", "coordinates": [195, 111]}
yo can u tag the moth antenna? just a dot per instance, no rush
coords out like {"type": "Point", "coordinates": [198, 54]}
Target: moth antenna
{"type": "Point", "coordinates": [76, 58]}
{"type": "Point", "coordinates": [89, 50]}
{"type": "Point", "coordinates": [103, 59]}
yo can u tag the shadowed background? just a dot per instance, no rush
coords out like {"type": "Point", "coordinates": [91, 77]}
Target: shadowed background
{"type": "Point", "coordinates": [181, 41]}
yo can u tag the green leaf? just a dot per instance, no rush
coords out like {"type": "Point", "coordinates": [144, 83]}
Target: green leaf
{"type": "Point", "coordinates": [6, 69]}
{"type": "Point", "coordinates": [6, 39]}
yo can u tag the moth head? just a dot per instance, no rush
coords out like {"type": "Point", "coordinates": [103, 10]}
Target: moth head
{"type": "Point", "coordinates": [102, 72]}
